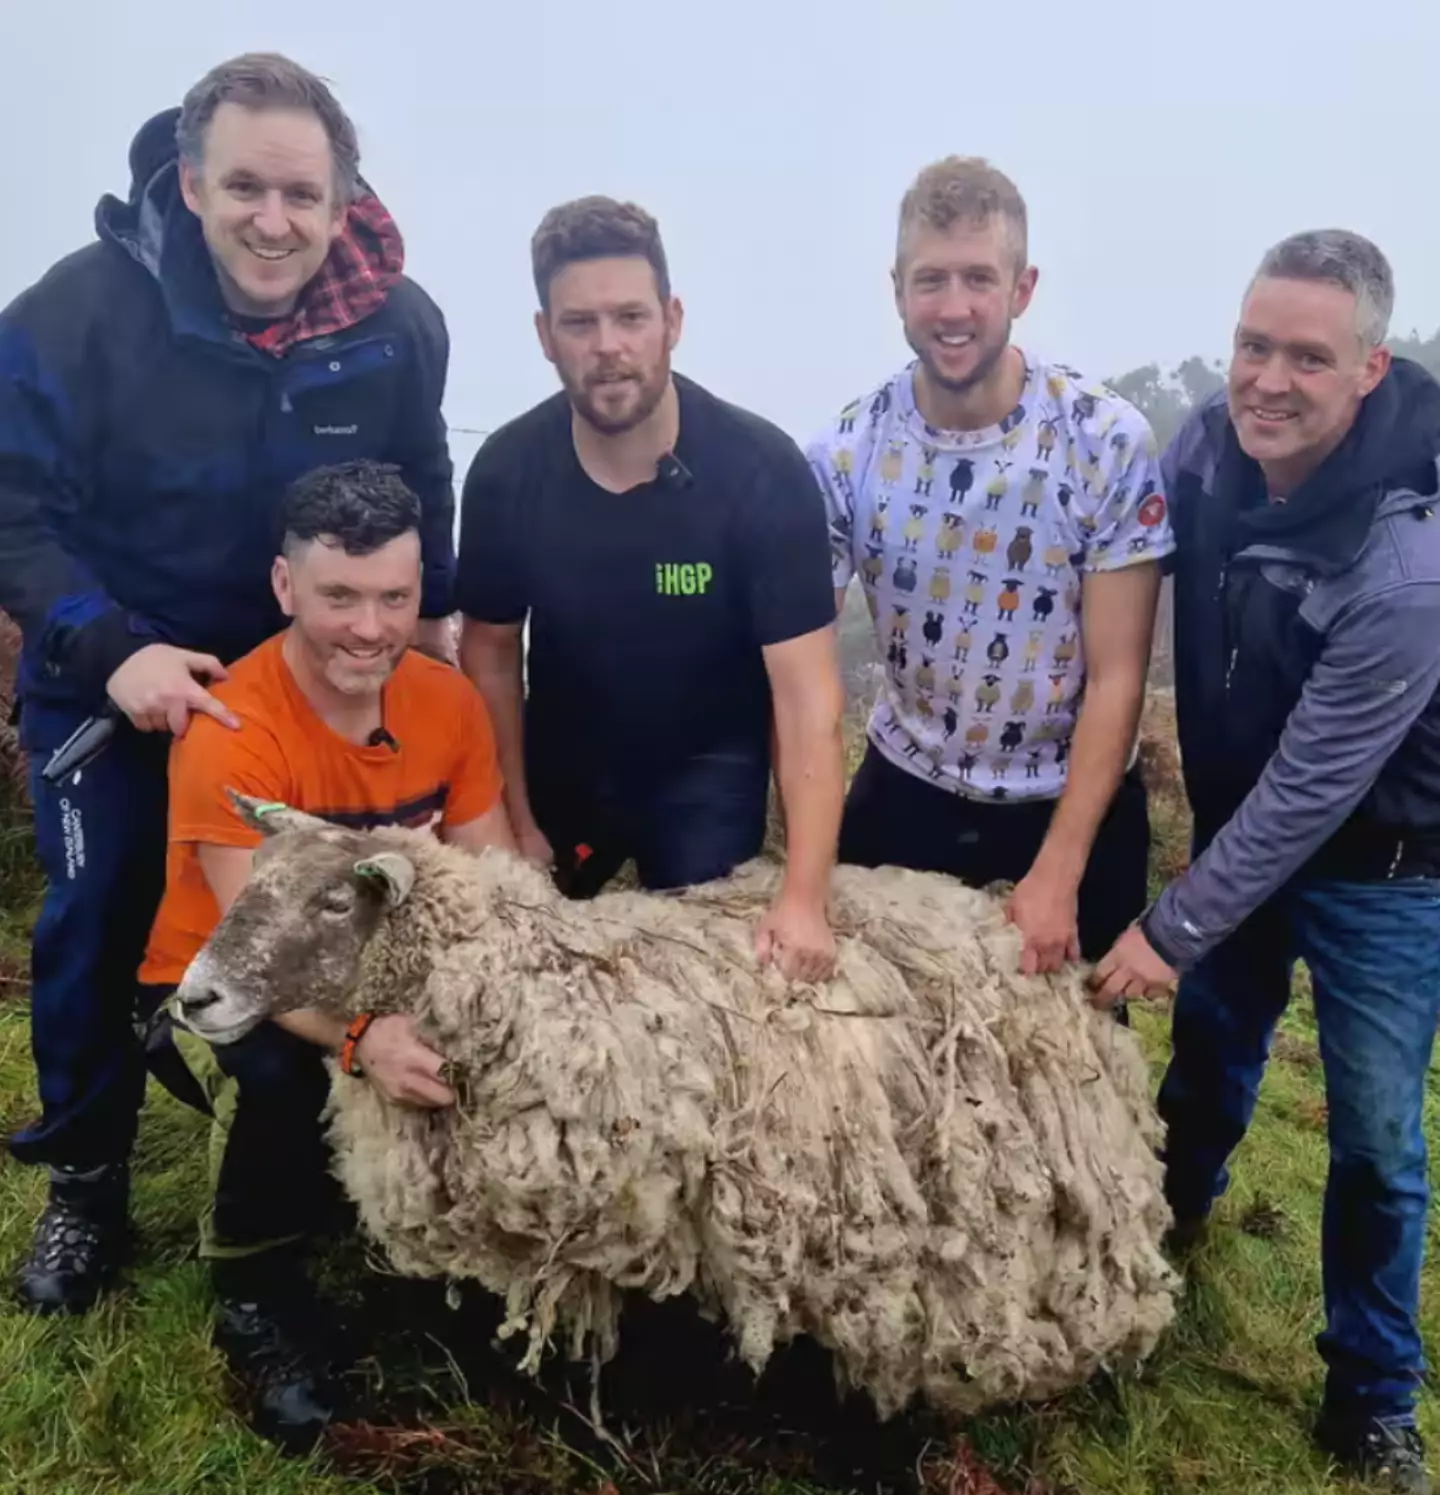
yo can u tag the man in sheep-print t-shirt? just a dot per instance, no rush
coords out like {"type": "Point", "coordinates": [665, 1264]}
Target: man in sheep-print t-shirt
{"type": "Point", "coordinates": [1006, 520]}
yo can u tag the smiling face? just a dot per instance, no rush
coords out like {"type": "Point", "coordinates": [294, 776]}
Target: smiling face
{"type": "Point", "coordinates": [353, 616]}
{"type": "Point", "coordinates": [267, 200]}
{"type": "Point", "coordinates": [958, 290]}
{"type": "Point", "coordinates": [1299, 373]}
{"type": "Point", "coordinates": [610, 337]}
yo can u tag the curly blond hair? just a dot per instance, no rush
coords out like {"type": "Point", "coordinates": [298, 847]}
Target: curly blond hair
{"type": "Point", "coordinates": [968, 190]}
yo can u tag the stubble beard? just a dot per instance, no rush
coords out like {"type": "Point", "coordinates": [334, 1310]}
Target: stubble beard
{"type": "Point", "coordinates": [984, 371]}
{"type": "Point", "coordinates": [650, 391]}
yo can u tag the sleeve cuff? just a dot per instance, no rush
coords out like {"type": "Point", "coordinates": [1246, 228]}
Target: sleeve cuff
{"type": "Point", "coordinates": [1121, 558]}
{"type": "Point", "coordinates": [94, 651]}
{"type": "Point", "coordinates": [437, 597]}
{"type": "Point", "coordinates": [1154, 926]}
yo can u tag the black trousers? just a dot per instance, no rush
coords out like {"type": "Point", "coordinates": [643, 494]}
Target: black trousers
{"type": "Point", "coordinates": [271, 1183]}
{"type": "Point", "coordinates": [693, 822]}
{"type": "Point", "coordinates": [894, 819]}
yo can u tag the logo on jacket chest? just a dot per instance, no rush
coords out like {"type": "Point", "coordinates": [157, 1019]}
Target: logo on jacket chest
{"type": "Point", "coordinates": [331, 430]}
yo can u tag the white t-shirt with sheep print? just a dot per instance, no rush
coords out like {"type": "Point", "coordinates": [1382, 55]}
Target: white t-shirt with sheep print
{"type": "Point", "coordinates": [970, 547]}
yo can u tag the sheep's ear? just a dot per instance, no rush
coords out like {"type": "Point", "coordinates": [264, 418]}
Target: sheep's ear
{"type": "Point", "coordinates": [394, 869]}
{"type": "Point", "coordinates": [269, 816]}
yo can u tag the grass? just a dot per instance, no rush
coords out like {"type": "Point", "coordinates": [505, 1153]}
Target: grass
{"type": "Point", "coordinates": [133, 1398]}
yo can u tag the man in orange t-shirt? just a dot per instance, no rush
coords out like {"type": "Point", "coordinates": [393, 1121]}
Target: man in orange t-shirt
{"type": "Point", "coordinates": [338, 717]}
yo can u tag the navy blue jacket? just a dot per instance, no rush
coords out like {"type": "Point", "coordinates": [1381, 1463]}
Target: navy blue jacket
{"type": "Point", "coordinates": [144, 444]}
{"type": "Point", "coordinates": [1307, 662]}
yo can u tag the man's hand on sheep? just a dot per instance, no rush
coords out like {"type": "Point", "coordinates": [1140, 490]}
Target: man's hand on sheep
{"type": "Point", "coordinates": [159, 686]}
{"type": "Point", "coordinates": [1130, 969]}
{"type": "Point", "coordinates": [530, 842]}
{"type": "Point", "coordinates": [1045, 909]}
{"type": "Point", "coordinates": [795, 933]}
{"type": "Point", "coordinates": [402, 1068]}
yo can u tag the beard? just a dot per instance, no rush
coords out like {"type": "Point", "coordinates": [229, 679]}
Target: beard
{"type": "Point", "coordinates": [342, 672]}
{"type": "Point", "coordinates": [352, 678]}
{"type": "Point", "coordinates": [989, 360]}
{"type": "Point", "coordinates": [647, 389]}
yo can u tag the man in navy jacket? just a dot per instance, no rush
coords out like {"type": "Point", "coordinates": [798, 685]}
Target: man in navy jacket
{"type": "Point", "coordinates": [242, 318]}
{"type": "Point", "coordinates": [1307, 683]}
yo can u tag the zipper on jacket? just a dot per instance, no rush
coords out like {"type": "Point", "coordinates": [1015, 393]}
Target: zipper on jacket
{"type": "Point", "coordinates": [1223, 605]}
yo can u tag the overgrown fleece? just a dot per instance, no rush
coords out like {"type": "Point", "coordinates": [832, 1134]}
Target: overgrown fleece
{"type": "Point", "coordinates": [940, 1169]}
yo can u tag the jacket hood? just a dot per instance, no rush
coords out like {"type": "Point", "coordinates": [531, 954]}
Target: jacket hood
{"type": "Point", "coordinates": [138, 221]}
{"type": "Point", "coordinates": [1393, 444]}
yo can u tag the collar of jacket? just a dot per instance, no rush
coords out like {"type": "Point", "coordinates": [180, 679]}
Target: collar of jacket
{"type": "Point", "coordinates": [1325, 524]}
{"type": "Point", "coordinates": [155, 228]}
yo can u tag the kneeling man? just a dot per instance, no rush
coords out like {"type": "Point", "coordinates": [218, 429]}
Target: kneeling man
{"type": "Point", "coordinates": [340, 718]}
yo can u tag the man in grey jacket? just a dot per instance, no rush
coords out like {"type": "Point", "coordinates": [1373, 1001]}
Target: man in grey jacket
{"type": "Point", "coordinates": [1307, 654]}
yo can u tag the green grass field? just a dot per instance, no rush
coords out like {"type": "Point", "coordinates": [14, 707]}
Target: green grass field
{"type": "Point", "coordinates": [133, 1398]}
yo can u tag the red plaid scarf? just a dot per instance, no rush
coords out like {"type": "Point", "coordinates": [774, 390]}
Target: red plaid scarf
{"type": "Point", "coordinates": [364, 262]}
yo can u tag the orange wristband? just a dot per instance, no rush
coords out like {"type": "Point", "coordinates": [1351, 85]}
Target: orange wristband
{"type": "Point", "coordinates": [353, 1034]}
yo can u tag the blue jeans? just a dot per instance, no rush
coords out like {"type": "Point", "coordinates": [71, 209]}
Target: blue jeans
{"type": "Point", "coordinates": [1373, 951]}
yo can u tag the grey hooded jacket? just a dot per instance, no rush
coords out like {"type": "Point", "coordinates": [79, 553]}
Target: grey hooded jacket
{"type": "Point", "coordinates": [1307, 654]}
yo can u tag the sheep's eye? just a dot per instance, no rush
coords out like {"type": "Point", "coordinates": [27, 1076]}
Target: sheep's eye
{"type": "Point", "coordinates": [338, 900]}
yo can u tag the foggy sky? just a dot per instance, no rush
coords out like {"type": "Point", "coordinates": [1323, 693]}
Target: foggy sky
{"type": "Point", "coordinates": [1160, 147]}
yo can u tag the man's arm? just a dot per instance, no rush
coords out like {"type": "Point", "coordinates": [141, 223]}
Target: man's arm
{"type": "Point", "coordinates": [475, 814]}
{"type": "Point", "coordinates": [1117, 624]}
{"type": "Point", "coordinates": [1127, 537]}
{"type": "Point", "coordinates": [493, 594]}
{"type": "Point", "coordinates": [70, 622]}
{"type": "Point", "coordinates": [791, 580]}
{"type": "Point", "coordinates": [44, 484]}
{"type": "Point", "coordinates": [490, 829]}
{"type": "Point", "coordinates": [492, 655]}
{"type": "Point", "coordinates": [809, 705]}
{"type": "Point", "coordinates": [1378, 670]}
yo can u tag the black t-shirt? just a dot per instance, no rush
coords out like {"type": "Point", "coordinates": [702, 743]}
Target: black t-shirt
{"type": "Point", "coordinates": [647, 609]}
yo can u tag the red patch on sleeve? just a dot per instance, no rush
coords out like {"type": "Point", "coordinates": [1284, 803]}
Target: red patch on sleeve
{"type": "Point", "coordinates": [1152, 511]}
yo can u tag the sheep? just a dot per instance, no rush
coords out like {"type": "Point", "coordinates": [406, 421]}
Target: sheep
{"type": "Point", "coordinates": [940, 1169]}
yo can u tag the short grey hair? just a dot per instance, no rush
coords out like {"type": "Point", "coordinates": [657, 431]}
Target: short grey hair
{"type": "Point", "coordinates": [266, 80]}
{"type": "Point", "coordinates": [1343, 259]}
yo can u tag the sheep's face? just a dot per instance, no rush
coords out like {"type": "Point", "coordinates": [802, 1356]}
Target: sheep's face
{"type": "Point", "coordinates": [294, 936]}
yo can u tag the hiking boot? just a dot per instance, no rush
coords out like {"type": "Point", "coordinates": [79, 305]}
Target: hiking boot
{"type": "Point", "coordinates": [274, 1343]}
{"type": "Point", "coordinates": [80, 1240]}
{"type": "Point", "coordinates": [1389, 1455]}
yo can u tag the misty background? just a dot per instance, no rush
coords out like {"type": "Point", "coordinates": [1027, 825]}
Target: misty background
{"type": "Point", "coordinates": [1160, 148]}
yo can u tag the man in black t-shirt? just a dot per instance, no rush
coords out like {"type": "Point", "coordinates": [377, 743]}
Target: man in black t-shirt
{"type": "Point", "coordinates": [670, 555]}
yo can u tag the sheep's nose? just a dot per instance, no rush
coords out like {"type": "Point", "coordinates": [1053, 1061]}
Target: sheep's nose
{"type": "Point", "coordinates": [189, 1006]}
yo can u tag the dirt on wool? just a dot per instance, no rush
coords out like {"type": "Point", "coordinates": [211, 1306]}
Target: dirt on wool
{"type": "Point", "coordinates": [938, 1169]}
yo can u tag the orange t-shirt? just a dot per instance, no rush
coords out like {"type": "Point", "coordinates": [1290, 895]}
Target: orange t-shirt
{"type": "Point", "coordinates": [442, 770]}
